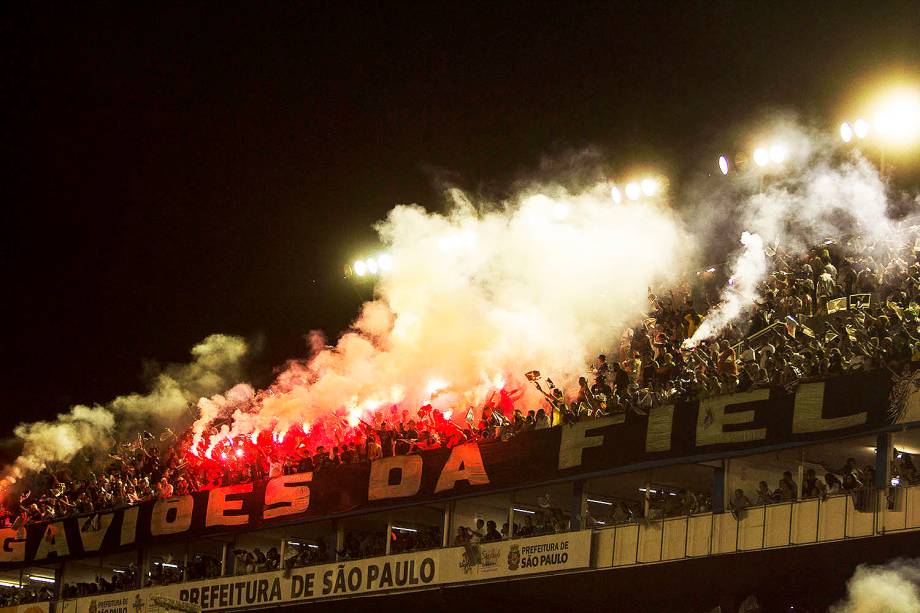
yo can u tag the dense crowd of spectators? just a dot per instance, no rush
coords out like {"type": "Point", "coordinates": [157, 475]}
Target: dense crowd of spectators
{"type": "Point", "coordinates": [843, 307]}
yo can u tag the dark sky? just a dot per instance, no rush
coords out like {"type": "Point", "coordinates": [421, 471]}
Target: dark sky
{"type": "Point", "coordinates": [182, 170]}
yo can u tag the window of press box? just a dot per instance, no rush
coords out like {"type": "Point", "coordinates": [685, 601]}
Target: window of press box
{"type": "Point", "coordinates": [114, 572]}
{"type": "Point", "coordinates": [471, 518]}
{"type": "Point", "coordinates": [308, 544]}
{"type": "Point", "coordinates": [165, 564]}
{"type": "Point", "coordinates": [27, 585]}
{"type": "Point", "coordinates": [905, 458]}
{"type": "Point", "coordinates": [540, 510]}
{"type": "Point", "coordinates": [363, 536]}
{"type": "Point", "coordinates": [416, 528]}
{"type": "Point", "coordinates": [669, 491]}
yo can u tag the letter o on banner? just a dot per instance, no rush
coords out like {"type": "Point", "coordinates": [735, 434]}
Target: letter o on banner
{"type": "Point", "coordinates": [172, 515]}
{"type": "Point", "coordinates": [410, 467]}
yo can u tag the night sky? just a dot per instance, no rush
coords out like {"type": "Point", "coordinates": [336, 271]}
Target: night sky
{"type": "Point", "coordinates": [184, 170]}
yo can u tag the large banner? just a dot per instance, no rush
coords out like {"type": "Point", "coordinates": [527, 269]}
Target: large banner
{"type": "Point", "coordinates": [35, 607]}
{"type": "Point", "coordinates": [673, 433]}
{"type": "Point", "coordinates": [408, 571]}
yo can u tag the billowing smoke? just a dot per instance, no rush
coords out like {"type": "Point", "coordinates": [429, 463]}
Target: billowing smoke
{"type": "Point", "coordinates": [476, 297]}
{"type": "Point", "coordinates": [84, 430]}
{"type": "Point", "coordinates": [748, 270]}
{"type": "Point", "coordinates": [811, 195]}
{"type": "Point", "coordinates": [890, 588]}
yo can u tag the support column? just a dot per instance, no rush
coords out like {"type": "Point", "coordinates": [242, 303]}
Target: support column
{"type": "Point", "coordinates": [389, 533]}
{"type": "Point", "coordinates": [578, 505]}
{"type": "Point", "coordinates": [339, 538]}
{"type": "Point", "coordinates": [883, 456]}
{"type": "Point", "coordinates": [224, 559]}
{"type": "Point", "coordinates": [719, 477]}
{"type": "Point", "coordinates": [448, 516]}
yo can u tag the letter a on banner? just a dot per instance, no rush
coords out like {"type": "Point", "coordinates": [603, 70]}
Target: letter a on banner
{"type": "Point", "coordinates": [464, 464]}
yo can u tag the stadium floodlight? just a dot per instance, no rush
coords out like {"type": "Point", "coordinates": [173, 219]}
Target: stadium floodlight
{"type": "Point", "coordinates": [616, 195]}
{"type": "Point", "coordinates": [633, 191]}
{"type": "Point", "coordinates": [777, 154]}
{"type": "Point", "coordinates": [359, 268]}
{"type": "Point", "coordinates": [371, 264]}
{"type": "Point", "coordinates": [897, 116]}
{"type": "Point", "coordinates": [649, 186]}
{"type": "Point", "coordinates": [385, 262]}
{"type": "Point", "coordinates": [761, 156]}
{"type": "Point", "coordinates": [723, 164]}
{"type": "Point", "coordinates": [861, 128]}
{"type": "Point", "coordinates": [846, 132]}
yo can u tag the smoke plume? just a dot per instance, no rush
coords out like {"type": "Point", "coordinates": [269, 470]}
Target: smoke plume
{"type": "Point", "coordinates": [813, 194]}
{"type": "Point", "coordinates": [891, 588]}
{"type": "Point", "coordinates": [477, 296]}
{"type": "Point", "coordinates": [84, 430]}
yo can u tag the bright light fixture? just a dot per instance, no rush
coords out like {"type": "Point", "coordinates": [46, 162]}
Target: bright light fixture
{"type": "Point", "coordinates": [897, 116]}
{"type": "Point", "coordinates": [777, 154]}
{"type": "Point", "coordinates": [861, 128]}
{"type": "Point", "coordinates": [616, 195]}
{"type": "Point", "coordinates": [633, 191]}
{"type": "Point", "coordinates": [649, 187]}
{"type": "Point", "coordinates": [846, 132]}
{"type": "Point", "coordinates": [371, 264]}
{"type": "Point", "coordinates": [384, 261]}
{"type": "Point", "coordinates": [359, 268]}
{"type": "Point", "coordinates": [723, 164]}
{"type": "Point", "coordinates": [761, 156]}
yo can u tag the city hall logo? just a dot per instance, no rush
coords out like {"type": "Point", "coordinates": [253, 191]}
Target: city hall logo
{"type": "Point", "coordinates": [514, 557]}
{"type": "Point", "coordinates": [484, 558]}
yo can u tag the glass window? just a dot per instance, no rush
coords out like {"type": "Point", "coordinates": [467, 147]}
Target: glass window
{"type": "Point", "coordinates": [905, 460]}
{"type": "Point", "coordinates": [416, 528]}
{"type": "Point", "coordinates": [206, 558]}
{"type": "Point", "coordinates": [309, 544]}
{"type": "Point", "coordinates": [540, 510]}
{"type": "Point", "coordinates": [470, 519]}
{"type": "Point", "coordinates": [363, 536]}
{"type": "Point", "coordinates": [165, 564]}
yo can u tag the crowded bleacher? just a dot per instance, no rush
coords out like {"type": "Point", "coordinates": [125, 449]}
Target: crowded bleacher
{"type": "Point", "coordinates": [845, 306]}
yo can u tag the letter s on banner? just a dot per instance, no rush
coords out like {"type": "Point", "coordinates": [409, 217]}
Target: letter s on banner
{"type": "Point", "coordinates": [410, 481]}
{"type": "Point", "coordinates": [171, 515]}
{"type": "Point", "coordinates": [287, 495]}
{"type": "Point", "coordinates": [218, 505]}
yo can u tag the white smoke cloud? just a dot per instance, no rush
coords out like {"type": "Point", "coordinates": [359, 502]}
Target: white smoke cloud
{"type": "Point", "coordinates": [890, 588]}
{"type": "Point", "coordinates": [739, 296]}
{"type": "Point", "coordinates": [481, 294]}
{"type": "Point", "coordinates": [216, 364]}
{"type": "Point", "coordinates": [813, 195]}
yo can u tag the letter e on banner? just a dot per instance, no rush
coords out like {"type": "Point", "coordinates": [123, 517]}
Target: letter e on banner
{"type": "Point", "coordinates": [464, 464]}
{"type": "Point", "coordinates": [218, 505]}
{"type": "Point", "coordinates": [171, 515]}
{"type": "Point", "coordinates": [287, 495]}
{"type": "Point", "coordinates": [712, 419]}
{"type": "Point", "coordinates": [409, 469]}
{"type": "Point", "coordinates": [13, 548]}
